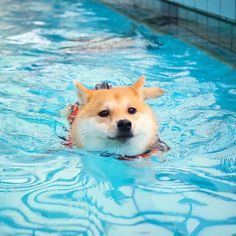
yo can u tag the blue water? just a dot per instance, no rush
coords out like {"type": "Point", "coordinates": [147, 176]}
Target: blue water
{"type": "Point", "coordinates": [46, 189]}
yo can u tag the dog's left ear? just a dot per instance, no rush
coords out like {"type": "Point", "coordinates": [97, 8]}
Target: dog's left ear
{"type": "Point", "coordinates": [146, 93]}
{"type": "Point", "coordinates": [152, 92]}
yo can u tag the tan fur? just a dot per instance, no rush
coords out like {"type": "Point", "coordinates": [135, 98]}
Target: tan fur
{"type": "Point", "coordinates": [117, 101]}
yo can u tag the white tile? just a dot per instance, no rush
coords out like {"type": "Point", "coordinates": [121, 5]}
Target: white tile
{"type": "Point", "coordinates": [189, 3]}
{"type": "Point", "coordinates": [213, 6]}
{"type": "Point", "coordinates": [178, 1]}
{"type": "Point", "coordinates": [157, 7]}
{"type": "Point", "coordinates": [201, 5]}
{"type": "Point", "coordinates": [228, 9]}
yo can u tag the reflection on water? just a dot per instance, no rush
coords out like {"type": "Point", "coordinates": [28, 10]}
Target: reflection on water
{"type": "Point", "coordinates": [46, 189]}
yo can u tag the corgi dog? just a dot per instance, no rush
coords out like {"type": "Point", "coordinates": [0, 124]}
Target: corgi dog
{"type": "Point", "coordinates": [115, 120]}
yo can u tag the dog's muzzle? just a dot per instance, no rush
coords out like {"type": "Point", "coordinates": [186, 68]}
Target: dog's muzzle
{"type": "Point", "coordinates": [124, 128]}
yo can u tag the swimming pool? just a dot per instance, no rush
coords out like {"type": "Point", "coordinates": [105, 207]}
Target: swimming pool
{"type": "Point", "coordinates": [46, 189]}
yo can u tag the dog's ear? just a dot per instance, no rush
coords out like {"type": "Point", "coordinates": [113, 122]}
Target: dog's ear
{"type": "Point", "coordinates": [84, 94]}
{"type": "Point", "coordinates": [138, 86]}
{"type": "Point", "coordinates": [152, 92]}
{"type": "Point", "coordinates": [146, 93]}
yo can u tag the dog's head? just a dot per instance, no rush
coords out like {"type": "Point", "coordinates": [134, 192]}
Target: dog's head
{"type": "Point", "coordinates": [117, 120]}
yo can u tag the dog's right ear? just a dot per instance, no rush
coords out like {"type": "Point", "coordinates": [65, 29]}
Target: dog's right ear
{"type": "Point", "coordinates": [84, 94]}
{"type": "Point", "coordinates": [138, 86]}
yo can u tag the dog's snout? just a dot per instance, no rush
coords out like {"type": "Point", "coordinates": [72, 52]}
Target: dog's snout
{"type": "Point", "coordinates": [124, 125]}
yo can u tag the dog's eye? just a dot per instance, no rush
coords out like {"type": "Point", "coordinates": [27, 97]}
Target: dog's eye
{"type": "Point", "coordinates": [132, 110]}
{"type": "Point", "coordinates": [103, 113]}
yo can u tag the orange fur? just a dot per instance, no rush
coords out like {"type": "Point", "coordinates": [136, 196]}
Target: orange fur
{"type": "Point", "coordinates": [116, 101]}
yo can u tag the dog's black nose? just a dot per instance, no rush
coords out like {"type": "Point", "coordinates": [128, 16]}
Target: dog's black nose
{"type": "Point", "coordinates": [124, 125]}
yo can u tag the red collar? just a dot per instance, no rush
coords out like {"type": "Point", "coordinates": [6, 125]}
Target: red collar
{"type": "Point", "coordinates": [147, 154]}
{"type": "Point", "coordinates": [157, 148]}
{"type": "Point", "coordinates": [74, 109]}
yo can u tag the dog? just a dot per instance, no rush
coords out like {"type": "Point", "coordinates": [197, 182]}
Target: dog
{"type": "Point", "coordinates": [115, 120]}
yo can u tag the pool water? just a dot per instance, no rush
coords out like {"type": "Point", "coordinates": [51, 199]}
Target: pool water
{"type": "Point", "coordinates": [47, 189]}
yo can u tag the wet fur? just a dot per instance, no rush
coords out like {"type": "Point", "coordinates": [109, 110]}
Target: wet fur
{"type": "Point", "coordinates": [92, 132]}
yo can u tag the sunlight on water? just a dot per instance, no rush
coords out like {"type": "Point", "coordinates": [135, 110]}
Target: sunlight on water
{"type": "Point", "coordinates": [46, 189]}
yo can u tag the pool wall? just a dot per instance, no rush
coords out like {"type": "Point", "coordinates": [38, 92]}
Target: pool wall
{"type": "Point", "coordinates": [225, 9]}
{"type": "Point", "coordinates": [207, 28]}
{"type": "Point", "coordinates": [213, 20]}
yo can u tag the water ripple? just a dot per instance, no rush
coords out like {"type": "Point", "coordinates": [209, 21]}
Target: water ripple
{"type": "Point", "coordinates": [46, 189]}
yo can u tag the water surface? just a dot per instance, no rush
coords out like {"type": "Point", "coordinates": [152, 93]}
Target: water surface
{"type": "Point", "coordinates": [46, 189]}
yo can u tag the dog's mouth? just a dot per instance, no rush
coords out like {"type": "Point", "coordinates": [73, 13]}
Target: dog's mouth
{"type": "Point", "coordinates": [122, 137]}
